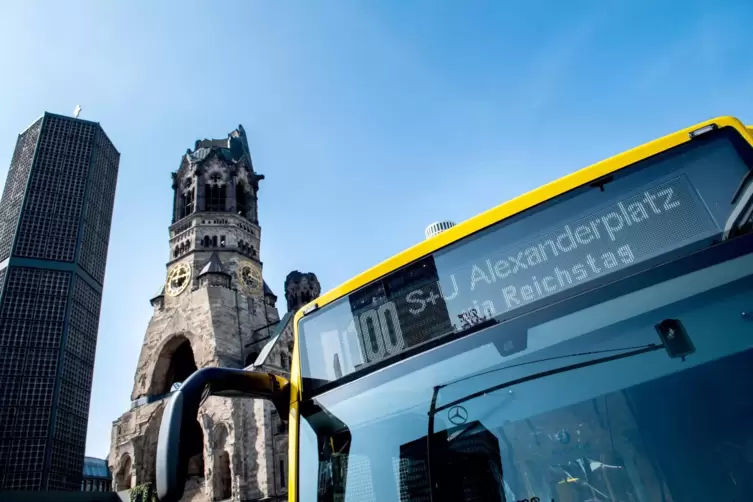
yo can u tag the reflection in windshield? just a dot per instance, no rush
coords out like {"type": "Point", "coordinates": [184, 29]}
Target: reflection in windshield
{"type": "Point", "coordinates": [682, 437]}
{"type": "Point", "coordinates": [641, 428]}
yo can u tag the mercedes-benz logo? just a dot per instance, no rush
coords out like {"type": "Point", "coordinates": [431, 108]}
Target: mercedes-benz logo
{"type": "Point", "coordinates": [457, 415]}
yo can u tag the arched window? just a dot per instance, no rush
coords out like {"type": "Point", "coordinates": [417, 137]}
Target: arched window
{"type": "Point", "coordinates": [175, 252]}
{"type": "Point", "coordinates": [206, 242]}
{"type": "Point", "coordinates": [214, 195]}
{"type": "Point", "coordinates": [195, 451]}
{"type": "Point", "coordinates": [123, 474]}
{"type": "Point", "coordinates": [214, 241]}
{"type": "Point", "coordinates": [224, 477]}
{"type": "Point", "coordinates": [241, 199]}
{"type": "Point", "coordinates": [174, 364]}
{"type": "Point", "coordinates": [186, 203]}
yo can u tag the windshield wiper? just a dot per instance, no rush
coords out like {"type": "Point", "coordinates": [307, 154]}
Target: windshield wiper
{"type": "Point", "coordinates": [536, 361]}
{"type": "Point", "coordinates": [592, 362]}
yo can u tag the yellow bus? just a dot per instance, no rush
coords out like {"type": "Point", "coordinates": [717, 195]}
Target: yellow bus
{"type": "Point", "coordinates": [591, 340]}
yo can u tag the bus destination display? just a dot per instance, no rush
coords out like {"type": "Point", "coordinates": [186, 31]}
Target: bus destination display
{"type": "Point", "coordinates": [455, 289]}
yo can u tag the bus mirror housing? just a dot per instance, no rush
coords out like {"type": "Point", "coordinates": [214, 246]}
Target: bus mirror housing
{"type": "Point", "coordinates": [183, 407]}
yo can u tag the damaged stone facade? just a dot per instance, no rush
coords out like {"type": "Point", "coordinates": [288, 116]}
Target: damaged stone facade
{"type": "Point", "coordinates": [300, 289]}
{"type": "Point", "coordinates": [213, 310]}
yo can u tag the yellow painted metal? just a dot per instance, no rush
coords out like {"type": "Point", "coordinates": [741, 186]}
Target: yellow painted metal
{"type": "Point", "coordinates": [293, 441]}
{"type": "Point", "coordinates": [294, 421]}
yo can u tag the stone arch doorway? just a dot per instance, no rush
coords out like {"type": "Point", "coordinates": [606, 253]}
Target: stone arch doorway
{"type": "Point", "coordinates": [123, 475]}
{"type": "Point", "coordinates": [222, 475]}
{"type": "Point", "coordinates": [175, 363]}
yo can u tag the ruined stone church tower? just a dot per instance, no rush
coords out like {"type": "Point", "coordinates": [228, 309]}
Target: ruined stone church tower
{"type": "Point", "coordinates": [215, 309]}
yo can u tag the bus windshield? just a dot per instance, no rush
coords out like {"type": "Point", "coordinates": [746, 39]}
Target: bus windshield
{"type": "Point", "coordinates": [596, 347]}
{"type": "Point", "coordinates": [635, 424]}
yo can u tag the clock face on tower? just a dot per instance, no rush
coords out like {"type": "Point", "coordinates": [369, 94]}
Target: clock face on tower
{"type": "Point", "coordinates": [249, 277]}
{"type": "Point", "coordinates": [177, 279]}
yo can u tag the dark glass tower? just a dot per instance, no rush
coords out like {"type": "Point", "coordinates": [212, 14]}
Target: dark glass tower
{"type": "Point", "coordinates": [55, 216]}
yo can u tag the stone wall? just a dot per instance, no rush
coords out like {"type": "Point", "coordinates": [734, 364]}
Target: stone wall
{"type": "Point", "coordinates": [217, 322]}
{"type": "Point", "coordinates": [300, 289]}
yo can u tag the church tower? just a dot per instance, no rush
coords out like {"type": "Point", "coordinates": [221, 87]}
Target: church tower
{"type": "Point", "coordinates": [214, 309]}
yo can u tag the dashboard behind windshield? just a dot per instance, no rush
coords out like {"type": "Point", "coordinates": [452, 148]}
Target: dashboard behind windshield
{"type": "Point", "coordinates": [643, 427]}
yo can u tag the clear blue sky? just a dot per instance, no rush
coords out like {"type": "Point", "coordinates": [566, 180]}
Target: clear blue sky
{"type": "Point", "coordinates": [369, 119]}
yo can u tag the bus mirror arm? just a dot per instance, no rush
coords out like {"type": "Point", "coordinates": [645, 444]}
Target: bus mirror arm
{"type": "Point", "coordinates": [183, 407]}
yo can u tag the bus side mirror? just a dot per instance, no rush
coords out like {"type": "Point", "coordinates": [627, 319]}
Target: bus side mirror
{"type": "Point", "coordinates": [183, 407]}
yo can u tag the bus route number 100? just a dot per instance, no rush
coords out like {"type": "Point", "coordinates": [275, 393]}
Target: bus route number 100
{"type": "Point", "coordinates": [381, 334]}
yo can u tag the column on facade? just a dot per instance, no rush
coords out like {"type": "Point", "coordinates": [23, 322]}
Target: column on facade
{"type": "Point", "coordinates": [230, 202]}
{"type": "Point", "coordinates": [176, 198]}
{"type": "Point", "coordinates": [195, 188]}
{"type": "Point", "coordinates": [251, 197]}
{"type": "Point", "coordinates": [200, 192]}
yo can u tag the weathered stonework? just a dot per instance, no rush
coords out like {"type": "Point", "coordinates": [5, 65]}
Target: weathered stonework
{"type": "Point", "coordinates": [300, 289]}
{"type": "Point", "coordinates": [217, 317]}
